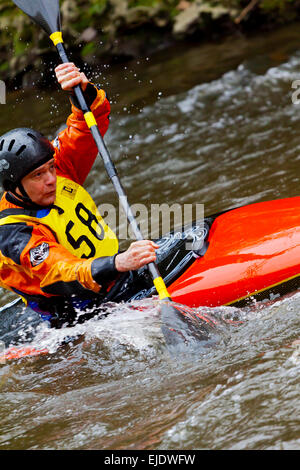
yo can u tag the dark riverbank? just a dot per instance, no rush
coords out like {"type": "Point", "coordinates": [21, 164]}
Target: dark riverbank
{"type": "Point", "coordinates": [113, 31]}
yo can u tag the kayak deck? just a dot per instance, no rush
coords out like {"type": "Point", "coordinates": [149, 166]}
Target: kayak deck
{"type": "Point", "coordinates": [253, 251]}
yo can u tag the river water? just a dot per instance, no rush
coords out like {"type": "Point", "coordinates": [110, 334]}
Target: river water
{"type": "Point", "coordinates": [212, 124]}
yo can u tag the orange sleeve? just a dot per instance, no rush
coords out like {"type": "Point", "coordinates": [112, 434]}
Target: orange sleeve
{"type": "Point", "coordinates": [75, 149]}
{"type": "Point", "coordinates": [59, 272]}
{"type": "Point", "coordinates": [34, 263]}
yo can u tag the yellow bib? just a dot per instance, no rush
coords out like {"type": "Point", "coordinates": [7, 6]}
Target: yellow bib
{"type": "Point", "coordinates": [74, 220]}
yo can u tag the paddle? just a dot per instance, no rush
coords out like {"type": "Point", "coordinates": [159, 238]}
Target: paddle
{"type": "Point", "coordinates": [46, 13]}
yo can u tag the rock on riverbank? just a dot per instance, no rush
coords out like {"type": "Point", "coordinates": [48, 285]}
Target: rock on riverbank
{"type": "Point", "coordinates": [108, 31]}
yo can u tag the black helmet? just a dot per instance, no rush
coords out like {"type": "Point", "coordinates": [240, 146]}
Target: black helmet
{"type": "Point", "coordinates": [22, 151]}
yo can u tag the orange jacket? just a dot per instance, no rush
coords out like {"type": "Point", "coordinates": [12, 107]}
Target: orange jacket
{"type": "Point", "coordinates": [33, 263]}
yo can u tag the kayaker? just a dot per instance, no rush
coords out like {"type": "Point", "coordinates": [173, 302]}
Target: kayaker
{"type": "Point", "coordinates": [56, 251]}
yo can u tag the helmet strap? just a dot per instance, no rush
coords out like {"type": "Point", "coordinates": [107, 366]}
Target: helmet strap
{"type": "Point", "coordinates": [22, 190]}
{"type": "Point", "coordinates": [23, 196]}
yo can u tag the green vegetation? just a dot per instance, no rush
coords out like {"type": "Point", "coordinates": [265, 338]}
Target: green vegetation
{"type": "Point", "coordinates": [121, 29]}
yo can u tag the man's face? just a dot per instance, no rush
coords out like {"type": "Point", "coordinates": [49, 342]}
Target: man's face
{"type": "Point", "coordinates": [40, 184]}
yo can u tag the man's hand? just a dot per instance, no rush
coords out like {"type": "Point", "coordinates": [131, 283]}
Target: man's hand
{"type": "Point", "coordinates": [68, 76]}
{"type": "Point", "coordinates": [138, 254]}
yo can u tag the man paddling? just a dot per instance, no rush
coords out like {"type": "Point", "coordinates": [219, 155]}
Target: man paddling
{"type": "Point", "coordinates": [56, 251]}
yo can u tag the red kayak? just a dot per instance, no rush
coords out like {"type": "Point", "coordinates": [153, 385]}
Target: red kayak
{"type": "Point", "coordinates": [253, 252]}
